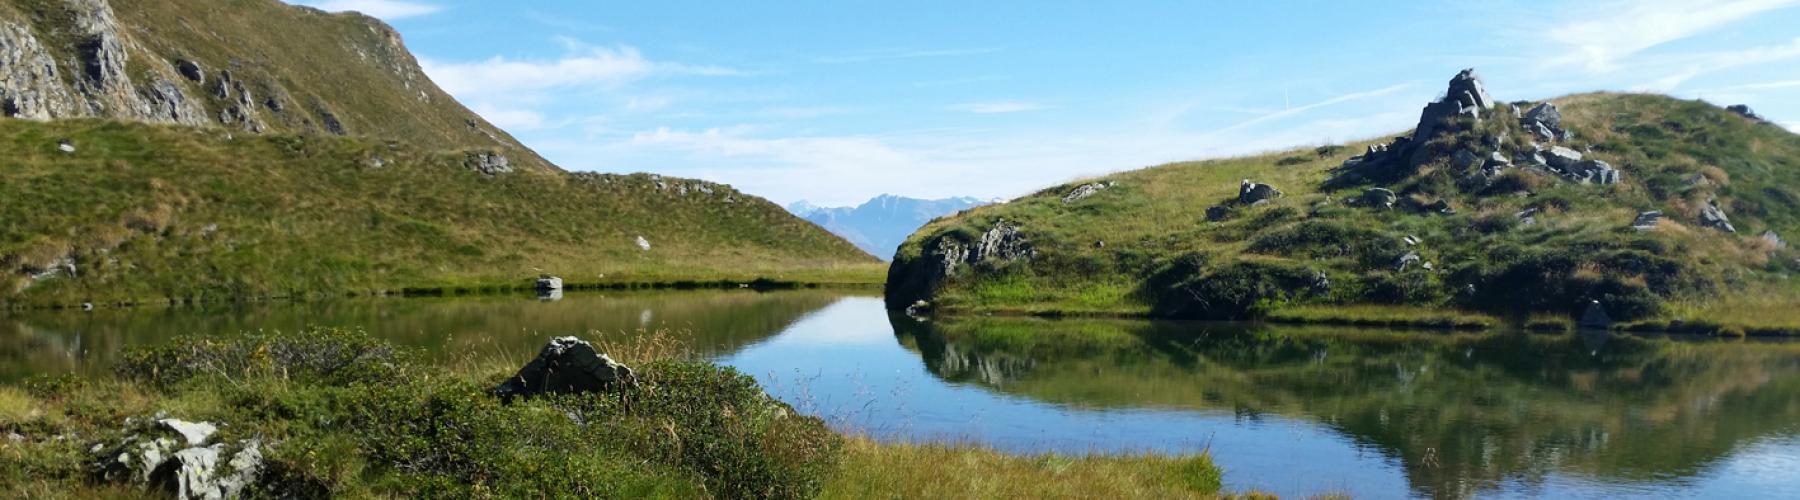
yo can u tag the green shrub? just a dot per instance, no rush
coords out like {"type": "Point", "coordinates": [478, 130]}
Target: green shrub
{"type": "Point", "coordinates": [326, 355]}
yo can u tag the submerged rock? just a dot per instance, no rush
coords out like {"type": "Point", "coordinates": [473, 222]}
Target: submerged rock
{"type": "Point", "coordinates": [1595, 317]}
{"type": "Point", "coordinates": [566, 365]}
{"type": "Point", "coordinates": [549, 283]}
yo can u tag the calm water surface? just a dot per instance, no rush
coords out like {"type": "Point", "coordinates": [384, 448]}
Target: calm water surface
{"type": "Point", "coordinates": [1293, 411]}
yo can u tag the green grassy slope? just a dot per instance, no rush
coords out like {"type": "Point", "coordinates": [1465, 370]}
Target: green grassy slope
{"type": "Point", "coordinates": [1146, 247]}
{"type": "Point", "coordinates": [148, 212]}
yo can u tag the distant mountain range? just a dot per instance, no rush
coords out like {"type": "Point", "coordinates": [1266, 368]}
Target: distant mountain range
{"type": "Point", "coordinates": [881, 224]}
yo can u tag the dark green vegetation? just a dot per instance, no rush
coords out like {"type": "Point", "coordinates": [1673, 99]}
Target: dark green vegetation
{"type": "Point", "coordinates": [1146, 247]}
{"type": "Point", "coordinates": [349, 416]}
{"type": "Point", "coordinates": [1463, 413]}
{"type": "Point", "coordinates": [147, 212]}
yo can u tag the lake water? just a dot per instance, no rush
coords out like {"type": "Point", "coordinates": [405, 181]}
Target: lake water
{"type": "Point", "coordinates": [1295, 411]}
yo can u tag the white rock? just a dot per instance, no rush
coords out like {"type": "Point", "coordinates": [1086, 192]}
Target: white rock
{"type": "Point", "coordinates": [643, 243]}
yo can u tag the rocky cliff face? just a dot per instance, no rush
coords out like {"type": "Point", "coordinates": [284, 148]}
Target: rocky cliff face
{"type": "Point", "coordinates": [256, 66]}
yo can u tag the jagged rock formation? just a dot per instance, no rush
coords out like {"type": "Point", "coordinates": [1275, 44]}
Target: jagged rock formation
{"type": "Point", "coordinates": [1083, 191]}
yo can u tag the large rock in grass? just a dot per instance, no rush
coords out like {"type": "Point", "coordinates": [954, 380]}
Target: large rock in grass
{"type": "Point", "coordinates": [567, 365]}
{"type": "Point", "coordinates": [1249, 192]}
{"type": "Point", "coordinates": [1465, 98]}
{"type": "Point", "coordinates": [1714, 217]}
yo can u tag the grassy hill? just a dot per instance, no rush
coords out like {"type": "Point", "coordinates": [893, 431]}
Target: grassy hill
{"type": "Point", "coordinates": [1516, 242]}
{"type": "Point", "coordinates": [152, 212]}
{"type": "Point", "coordinates": [202, 150]}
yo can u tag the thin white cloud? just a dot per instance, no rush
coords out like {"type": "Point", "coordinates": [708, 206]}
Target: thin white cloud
{"type": "Point", "coordinates": [1685, 67]}
{"type": "Point", "coordinates": [384, 9]}
{"type": "Point", "coordinates": [996, 107]}
{"type": "Point", "coordinates": [1601, 36]}
{"type": "Point", "coordinates": [889, 54]}
{"type": "Point", "coordinates": [1295, 111]}
{"type": "Point", "coordinates": [522, 93]}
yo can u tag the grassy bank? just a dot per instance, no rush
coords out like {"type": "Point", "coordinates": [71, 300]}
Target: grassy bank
{"type": "Point", "coordinates": [344, 415]}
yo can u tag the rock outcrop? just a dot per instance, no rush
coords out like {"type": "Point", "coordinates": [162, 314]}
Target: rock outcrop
{"type": "Point", "coordinates": [1465, 98]}
{"type": "Point", "coordinates": [566, 365]}
{"type": "Point", "coordinates": [1647, 221]}
{"type": "Point", "coordinates": [1084, 191]}
{"type": "Point", "coordinates": [180, 457]}
{"type": "Point", "coordinates": [913, 280]}
{"type": "Point", "coordinates": [487, 163]}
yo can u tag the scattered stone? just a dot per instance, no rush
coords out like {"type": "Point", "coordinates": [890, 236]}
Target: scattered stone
{"type": "Point", "coordinates": [1411, 241]}
{"type": "Point", "coordinates": [547, 283]}
{"type": "Point", "coordinates": [1545, 114]}
{"type": "Point", "coordinates": [1647, 221]}
{"type": "Point", "coordinates": [1527, 217]}
{"type": "Point", "coordinates": [487, 163]}
{"type": "Point", "coordinates": [191, 70]}
{"type": "Point", "coordinates": [1250, 192]}
{"type": "Point", "coordinates": [1084, 191]}
{"type": "Point", "coordinates": [1714, 217]}
{"type": "Point", "coordinates": [1380, 197]}
{"type": "Point", "coordinates": [1465, 159]}
{"type": "Point", "coordinates": [1441, 206]}
{"type": "Point", "coordinates": [1562, 158]}
{"type": "Point", "coordinates": [566, 365]}
{"type": "Point", "coordinates": [1497, 161]}
{"type": "Point", "coordinates": [1320, 282]}
{"type": "Point", "coordinates": [643, 244]}
{"type": "Point", "coordinates": [1594, 172]}
{"type": "Point", "coordinates": [1774, 239]}
{"type": "Point", "coordinates": [1218, 213]}
{"type": "Point", "coordinates": [1003, 243]}
{"type": "Point", "coordinates": [1595, 318]}
{"type": "Point", "coordinates": [65, 146]}
{"type": "Point", "coordinates": [1406, 260]}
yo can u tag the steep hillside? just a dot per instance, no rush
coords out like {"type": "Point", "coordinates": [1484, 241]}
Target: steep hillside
{"type": "Point", "coordinates": [144, 212]}
{"type": "Point", "coordinates": [1512, 209]}
{"type": "Point", "coordinates": [251, 65]}
{"type": "Point", "coordinates": [230, 149]}
{"type": "Point", "coordinates": [881, 224]}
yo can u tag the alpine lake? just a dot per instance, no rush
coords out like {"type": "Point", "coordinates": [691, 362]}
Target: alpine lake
{"type": "Point", "coordinates": [1292, 410]}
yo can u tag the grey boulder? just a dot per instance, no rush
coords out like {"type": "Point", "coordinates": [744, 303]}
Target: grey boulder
{"type": "Point", "coordinates": [1714, 217]}
{"type": "Point", "coordinates": [1250, 192]}
{"type": "Point", "coordinates": [566, 365]}
{"type": "Point", "coordinates": [1647, 221]}
{"type": "Point", "coordinates": [1380, 197]}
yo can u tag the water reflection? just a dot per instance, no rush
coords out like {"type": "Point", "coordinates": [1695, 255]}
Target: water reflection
{"type": "Point", "coordinates": [720, 322]}
{"type": "Point", "coordinates": [1292, 411]}
{"type": "Point", "coordinates": [1462, 414]}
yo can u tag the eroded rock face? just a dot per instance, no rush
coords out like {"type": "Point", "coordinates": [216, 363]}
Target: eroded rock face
{"type": "Point", "coordinates": [33, 84]}
{"type": "Point", "coordinates": [30, 85]}
{"type": "Point", "coordinates": [566, 365]}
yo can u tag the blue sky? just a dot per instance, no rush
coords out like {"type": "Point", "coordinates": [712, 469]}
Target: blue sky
{"type": "Point", "coordinates": [836, 102]}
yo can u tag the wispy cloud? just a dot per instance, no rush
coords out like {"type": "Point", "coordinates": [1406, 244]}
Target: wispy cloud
{"type": "Point", "coordinates": [997, 107]}
{"type": "Point", "coordinates": [1601, 36]}
{"type": "Point", "coordinates": [1682, 68]}
{"type": "Point", "coordinates": [384, 9]}
{"type": "Point", "coordinates": [888, 54]}
{"type": "Point", "coordinates": [589, 66]}
{"type": "Point", "coordinates": [1299, 110]}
